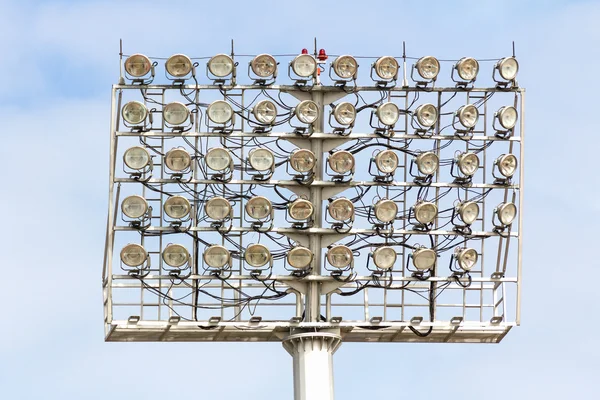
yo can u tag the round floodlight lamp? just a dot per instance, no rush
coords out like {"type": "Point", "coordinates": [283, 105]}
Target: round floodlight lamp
{"type": "Point", "coordinates": [468, 116]}
{"type": "Point", "coordinates": [138, 65]}
{"type": "Point", "coordinates": [261, 159]}
{"type": "Point", "coordinates": [178, 159]}
{"type": "Point", "coordinates": [468, 211]}
{"type": "Point", "coordinates": [300, 209]}
{"type": "Point", "coordinates": [425, 212]}
{"type": "Point", "coordinates": [299, 257]}
{"type": "Point", "coordinates": [386, 161]}
{"type": "Point", "coordinates": [134, 206]}
{"type": "Point", "coordinates": [427, 163]}
{"type": "Point", "coordinates": [218, 159]}
{"type": "Point", "coordinates": [386, 210]}
{"type": "Point", "coordinates": [216, 256]}
{"type": "Point", "coordinates": [467, 68]}
{"type": "Point", "coordinates": [175, 113]}
{"type": "Point", "coordinates": [302, 160]}
{"type": "Point", "coordinates": [133, 255]}
{"type": "Point", "coordinates": [175, 255]}
{"type": "Point", "coordinates": [388, 113]}
{"type": "Point", "coordinates": [384, 257]}
{"type": "Point", "coordinates": [427, 115]}
{"type": "Point", "coordinates": [258, 207]}
{"type": "Point", "coordinates": [257, 255]}
{"type": "Point", "coordinates": [428, 67]}
{"type": "Point", "coordinates": [341, 209]}
{"type": "Point", "coordinates": [507, 165]}
{"type": "Point", "coordinates": [508, 68]}
{"type": "Point", "coordinates": [341, 161]}
{"type": "Point", "coordinates": [179, 65]}
{"type": "Point", "coordinates": [468, 163]}
{"type": "Point", "coordinates": [220, 112]}
{"type": "Point", "coordinates": [304, 65]}
{"type": "Point", "coordinates": [134, 112]}
{"type": "Point", "coordinates": [264, 65]}
{"type": "Point", "coordinates": [386, 67]}
{"type": "Point", "coordinates": [345, 113]}
{"type": "Point", "coordinates": [345, 66]}
{"type": "Point", "coordinates": [220, 65]}
{"type": "Point", "coordinates": [466, 258]}
{"type": "Point", "coordinates": [424, 259]}
{"type": "Point", "coordinates": [177, 207]}
{"type": "Point", "coordinates": [507, 116]}
{"type": "Point", "coordinates": [218, 208]}
{"type": "Point", "coordinates": [265, 112]}
{"type": "Point", "coordinates": [307, 111]}
{"type": "Point", "coordinates": [340, 256]}
{"type": "Point", "coordinates": [136, 158]}
{"type": "Point", "coordinates": [506, 213]}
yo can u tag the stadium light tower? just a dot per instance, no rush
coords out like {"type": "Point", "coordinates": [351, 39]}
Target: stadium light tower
{"type": "Point", "coordinates": [386, 213]}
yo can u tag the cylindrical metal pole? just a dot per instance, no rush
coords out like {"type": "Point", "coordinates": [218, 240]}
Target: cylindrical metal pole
{"type": "Point", "coordinates": [313, 364]}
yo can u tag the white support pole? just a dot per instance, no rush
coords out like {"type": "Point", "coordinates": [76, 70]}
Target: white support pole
{"type": "Point", "coordinates": [313, 364]}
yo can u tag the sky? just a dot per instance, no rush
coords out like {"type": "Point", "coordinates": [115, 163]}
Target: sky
{"type": "Point", "coordinates": [60, 59]}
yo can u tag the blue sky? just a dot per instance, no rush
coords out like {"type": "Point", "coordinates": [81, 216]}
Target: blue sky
{"type": "Point", "coordinates": [59, 60]}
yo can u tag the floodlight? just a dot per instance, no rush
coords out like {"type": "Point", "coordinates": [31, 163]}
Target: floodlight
{"type": "Point", "coordinates": [385, 210]}
{"type": "Point", "coordinates": [133, 255]}
{"type": "Point", "coordinates": [468, 115]}
{"type": "Point", "coordinates": [134, 206]}
{"type": "Point", "coordinates": [259, 207]}
{"type": "Point", "coordinates": [466, 258]}
{"type": "Point", "coordinates": [345, 67]}
{"type": "Point", "coordinates": [506, 213]}
{"type": "Point", "coordinates": [218, 208]}
{"type": "Point", "coordinates": [178, 159]}
{"type": "Point", "coordinates": [302, 160]}
{"type": "Point", "coordinates": [175, 255]}
{"type": "Point", "coordinates": [300, 209]}
{"type": "Point", "coordinates": [307, 111]}
{"type": "Point", "coordinates": [264, 66]}
{"type": "Point", "coordinates": [468, 163]}
{"type": "Point", "coordinates": [220, 112]}
{"type": "Point", "coordinates": [216, 256]}
{"type": "Point", "coordinates": [136, 158]}
{"type": "Point", "coordinates": [134, 112]}
{"type": "Point", "coordinates": [220, 65]}
{"type": "Point", "coordinates": [299, 257]}
{"type": "Point", "coordinates": [345, 113]}
{"type": "Point", "coordinates": [340, 256]}
{"type": "Point", "coordinates": [428, 68]}
{"type": "Point", "coordinates": [388, 113]}
{"type": "Point", "coordinates": [423, 258]}
{"type": "Point", "coordinates": [265, 112]}
{"type": "Point", "coordinates": [341, 209]}
{"type": "Point", "coordinates": [386, 161]}
{"type": "Point", "coordinates": [468, 211]}
{"type": "Point", "coordinates": [386, 68]}
{"type": "Point", "coordinates": [175, 113]}
{"type": "Point", "coordinates": [179, 65]}
{"type": "Point", "coordinates": [425, 212]}
{"type": "Point", "coordinates": [177, 207]}
{"type": "Point", "coordinates": [507, 68]}
{"type": "Point", "coordinates": [467, 68]}
{"type": "Point", "coordinates": [384, 257]}
{"type": "Point", "coordinates": [261, 159]}
{"type": "Point", "coordinates": [218, 159]}
{"type": "Point", "coordinates": [257, 255]}
{"type": "Point", "coordinates": [427, 163]}
{"type": "Point", "coordinates": [304, 65]}
{"type": "Point", "coordinates": [507, 165]}
{"type": "Point", "coordinates": [138, 65]}
{"type": "Point", "coordinates": [341, 161]}
{"type": "Point", "coordinates": [507, 117]}
{"type": "Point", "coordinates": [426, 115]}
